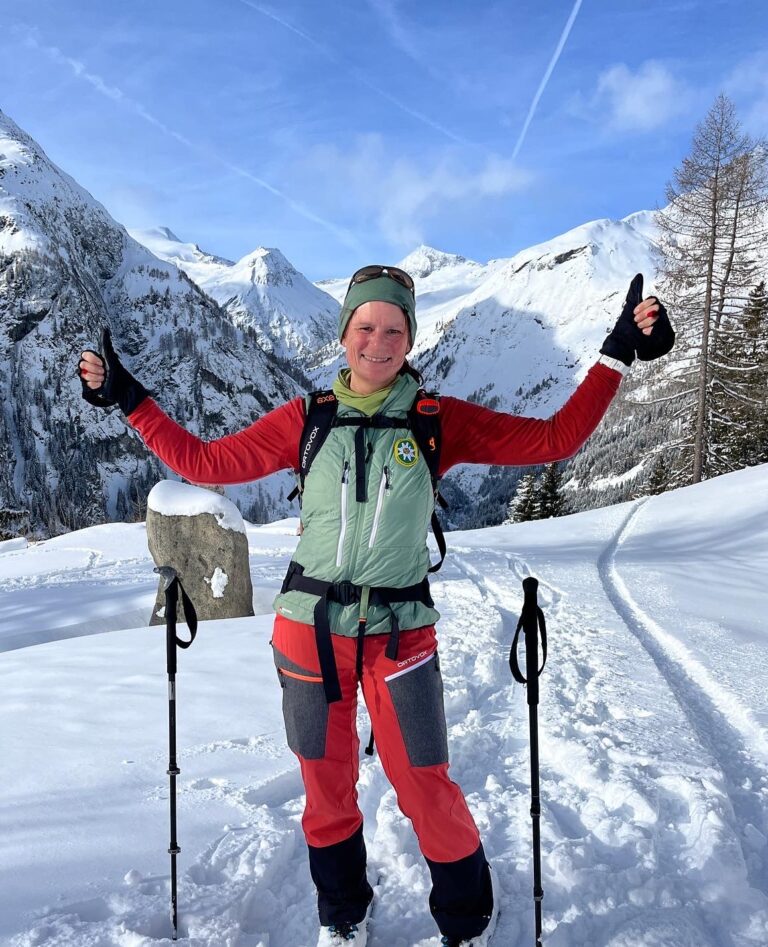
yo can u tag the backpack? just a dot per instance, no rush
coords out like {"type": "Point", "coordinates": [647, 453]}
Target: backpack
{"type": "Point", "coordinates": [423, 421]}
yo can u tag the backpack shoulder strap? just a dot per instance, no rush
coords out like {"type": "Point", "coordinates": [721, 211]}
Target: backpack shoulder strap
{"type": "Point", "coordinates": [320, 407]}
{"type": "Point", "coordinates": [424, 422]}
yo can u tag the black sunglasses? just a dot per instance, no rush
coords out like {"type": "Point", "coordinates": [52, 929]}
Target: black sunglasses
{"type": "Point", "coordinates": [375, 271]}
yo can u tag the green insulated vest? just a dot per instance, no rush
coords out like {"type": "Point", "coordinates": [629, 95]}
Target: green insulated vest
{"type": "Point", "coordinates": [381, 542]}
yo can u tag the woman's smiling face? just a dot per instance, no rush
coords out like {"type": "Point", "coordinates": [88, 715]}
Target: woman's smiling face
{"type": "Point", "coordinates": [376, 341]}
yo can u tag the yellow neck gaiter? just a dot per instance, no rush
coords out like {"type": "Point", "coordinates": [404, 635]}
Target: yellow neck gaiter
{"type": "Point", "coordinates": [368, 404]}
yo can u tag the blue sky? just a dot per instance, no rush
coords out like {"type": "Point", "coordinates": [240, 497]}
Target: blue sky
{"type": "Point", "coordinates": [349, 132]}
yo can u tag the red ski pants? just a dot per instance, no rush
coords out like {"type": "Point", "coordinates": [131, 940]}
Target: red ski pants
{"type": "Point", "coordinates": [405, 703]}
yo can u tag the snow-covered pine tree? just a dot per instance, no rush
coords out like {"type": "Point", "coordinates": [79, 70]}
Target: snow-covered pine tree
{"type": "Point", "coordinates": [755, 325]}
{"type": "Point", "coordinates": [13, 523]}
{"type": "Point", "coordinates": [740, 427]}
{"type": "Point", "coordinates": [550, 494]}
{"type": "Point", "coordinates": [524, 505]}
{"type": "Point", "coordinates": [659, 478]}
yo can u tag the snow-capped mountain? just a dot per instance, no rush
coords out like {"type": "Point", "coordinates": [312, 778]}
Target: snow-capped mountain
{"type": "Point", "coordinates": [165, 245]}
{"type": "Point", "coordinates": [66, 269]}
{"type": "Point", "coordinates": [290, 316]}
{"type": "Point", "coordinates": [518, 333]}
{"type": "Point", "coordinates": [424, 261]}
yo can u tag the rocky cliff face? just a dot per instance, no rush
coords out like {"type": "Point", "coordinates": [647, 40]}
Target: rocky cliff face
{"type": "Point", "coordinates": [66, 269]}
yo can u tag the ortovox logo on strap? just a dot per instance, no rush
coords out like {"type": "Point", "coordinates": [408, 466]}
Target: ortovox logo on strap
{"type": "Point", "coordinates": [308, 447]}
{"type": "Point", "coordinates": [406, 452]}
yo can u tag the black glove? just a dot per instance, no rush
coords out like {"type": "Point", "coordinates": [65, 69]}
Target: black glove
{"type": "Point", "coordinates": [119, 386]}
{"type": "Point", "coordinates": [626, 340]}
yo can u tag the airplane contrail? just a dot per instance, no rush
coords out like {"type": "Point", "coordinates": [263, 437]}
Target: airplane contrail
{"type": "Point", "coordinates": [117, 95]}
{"type": "Point", "coordinates": [543, 84]}
{"type": "Point", "coordinates": [359, 76]}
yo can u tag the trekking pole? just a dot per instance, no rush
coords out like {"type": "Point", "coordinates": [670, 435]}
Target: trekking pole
{"type": "Point", "coordinates": [531, 623]}
{"type": "Point", "coordinates": [172, 587]}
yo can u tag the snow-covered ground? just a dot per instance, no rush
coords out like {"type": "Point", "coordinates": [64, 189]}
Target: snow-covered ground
{"type": "Point", "coordinates": [654, 750]}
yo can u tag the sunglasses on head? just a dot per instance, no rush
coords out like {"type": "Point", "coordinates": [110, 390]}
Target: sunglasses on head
{"type": "Point", "coordinates": [375, 271]}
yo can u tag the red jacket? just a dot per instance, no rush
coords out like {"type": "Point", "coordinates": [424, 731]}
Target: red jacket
{"type": "Point", "coordinates": [471, 434]}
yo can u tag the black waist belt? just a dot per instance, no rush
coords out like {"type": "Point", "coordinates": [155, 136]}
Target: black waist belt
{"type": "Point", "coordinates": [346, 593]}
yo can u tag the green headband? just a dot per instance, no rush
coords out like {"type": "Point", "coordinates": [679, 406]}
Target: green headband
{"type": "Point", "coordinates": [382, 289]}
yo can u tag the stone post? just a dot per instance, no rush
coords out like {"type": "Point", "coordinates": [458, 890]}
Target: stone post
{"type": "Point", "coordinates": [202, 535]}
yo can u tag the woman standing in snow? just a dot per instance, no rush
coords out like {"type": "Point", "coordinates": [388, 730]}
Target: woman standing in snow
{"type": "Point", "coordinates": [355, 608]}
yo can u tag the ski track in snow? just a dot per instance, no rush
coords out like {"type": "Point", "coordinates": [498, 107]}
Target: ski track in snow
{"type": "Point", "coordinates": [724, 727]}
{"type": "Point", "coordinates": [624, 820]}
{"type": "Point", "coordinates": [616, 811]}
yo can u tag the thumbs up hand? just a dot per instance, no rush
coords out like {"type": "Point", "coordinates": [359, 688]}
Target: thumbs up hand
{"type": "Point", "coordinates": [643, 328]}
{"type": "Point", "coordinates": [106, 382]}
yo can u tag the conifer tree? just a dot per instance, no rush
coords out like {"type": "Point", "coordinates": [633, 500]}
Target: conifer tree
{"type": "Point", "coordinates": [744, 430]}
{"type": "Point", "coordinates": [711, 232]}
{"type": "Point", "coordinates": [659, 479]}
{"type": "Point", "coordinates": [756, 329]}
{"type": "Point", "coordinates": [524, 504]}
{"type": "Point", "coordinates": [550, 494]}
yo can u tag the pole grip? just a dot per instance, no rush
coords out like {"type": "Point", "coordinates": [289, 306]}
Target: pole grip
{"type": "Point", "coordinates": [171, 602]}
{"type": "Point", "coordinates": [530, 587]}
{"type": "Point", "coordinates": [531, 623]}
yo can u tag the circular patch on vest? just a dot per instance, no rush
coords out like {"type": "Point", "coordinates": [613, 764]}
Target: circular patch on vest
{"type": "Point", "coordinates": [406, 452]}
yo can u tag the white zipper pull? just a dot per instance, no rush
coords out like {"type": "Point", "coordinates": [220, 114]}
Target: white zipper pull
{"type": "Point", "coordinates": [343, 526]}
{"type": "Point", "coordinates": [383, 490]}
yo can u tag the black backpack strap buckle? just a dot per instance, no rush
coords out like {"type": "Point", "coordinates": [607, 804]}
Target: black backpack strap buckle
{"type": "Point", "coordinates": [345, 593]}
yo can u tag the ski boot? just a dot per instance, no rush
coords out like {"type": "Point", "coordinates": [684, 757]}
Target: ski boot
{"type": "Point", "coordinates": [480, 940]}
{"type": "Point", "coordinates": [346, 934]}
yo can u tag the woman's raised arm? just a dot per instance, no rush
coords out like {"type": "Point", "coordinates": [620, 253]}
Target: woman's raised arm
{"type": "Point", "coordinates": [268, 445]}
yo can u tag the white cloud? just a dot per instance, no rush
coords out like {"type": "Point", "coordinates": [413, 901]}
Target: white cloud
{"type": "Point", "coordinates": [638, 101]}
{"type": "Point", "coordinates": [397, 196]}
